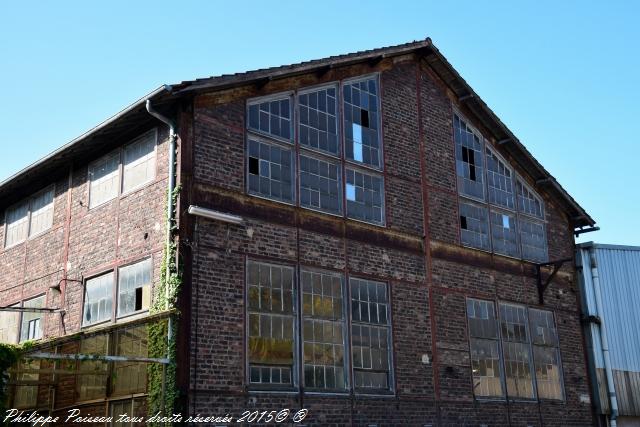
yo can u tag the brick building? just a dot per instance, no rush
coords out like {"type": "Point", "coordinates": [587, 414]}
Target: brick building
{"type": "Point", "coordinates": [359, 236]}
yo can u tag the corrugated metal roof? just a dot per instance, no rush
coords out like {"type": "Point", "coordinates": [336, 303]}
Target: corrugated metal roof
{"type": "Point", "coordinates": [433, 56]}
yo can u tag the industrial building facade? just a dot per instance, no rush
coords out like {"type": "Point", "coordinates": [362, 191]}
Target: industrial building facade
{"type": "Point", "coordinates": [358, 236]}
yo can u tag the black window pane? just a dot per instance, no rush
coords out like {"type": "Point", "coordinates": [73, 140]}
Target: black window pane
{"type": "Point", "coordinates": [270, 172]}
{"type": "Point", "coordinates": [361, 130]}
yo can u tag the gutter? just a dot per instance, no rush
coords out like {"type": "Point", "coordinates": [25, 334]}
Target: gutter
{"type": "Point", "coordinates": [613, 398]}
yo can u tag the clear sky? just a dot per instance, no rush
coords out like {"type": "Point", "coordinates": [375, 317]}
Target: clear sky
{"type": "Point", "coordinates": [563, 75]}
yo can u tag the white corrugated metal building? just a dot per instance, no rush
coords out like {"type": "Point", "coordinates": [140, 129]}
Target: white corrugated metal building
{"type": "Point", "coordinates": [609, 282]}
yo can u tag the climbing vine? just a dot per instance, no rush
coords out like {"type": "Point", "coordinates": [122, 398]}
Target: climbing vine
{"type": "Point", "coordinates": [162, 390]}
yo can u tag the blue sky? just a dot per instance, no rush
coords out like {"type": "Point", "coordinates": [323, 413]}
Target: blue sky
{"type": "Point", "coordinates": [562, 75]}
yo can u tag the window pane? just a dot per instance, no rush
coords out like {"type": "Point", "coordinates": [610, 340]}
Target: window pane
{"type": "Point", "coordinates": [485, 365]}
{"type": "Point", "coordinates": [474, 227]}
{"type": "Point", "coordinates": [513, 323]}
{"type": "Point", "coordinates": [98, 299]}
{"type": "Point", "coordinates": [26, 396]}
{"type": "Point", "coordinates": [103, 177]}
{"type": "Point", "coordinates": [320, 185]}
{"type": "Point", "coordinates": [362, 136]}
{"type": "Point", "coordinates": [528, 201]}
{"type": "Point", "coordinates": [468, 159]}
{"type": "Point", "coordinates": [92, 375]}
{"type": "Point", "coordinates": [543, 328]}
{"type": "Point", "coordinates": [482, 319]}
{"type": "Point", "coordinates": [271, 117]}
{"type": "Point", "coordinates": [130, 377]}
{"type": "Point", "coordinates": [9, 326]}
{"type": "Point", "coordinates": [139, 162]}
{"type": "Point", "coordinates": [503, 234]}
{"type": "Point", "coordinates": [323, 330]}
{"type": "Point", "coordinates": [31, 327]}
{"type": "Point", "coordinates": [272, 312]}
{"type": "Point", "coordinates": [270, 171]}
{"type": "Point", "coordinates": [365, 196]}
{"type": "Point", "coordinates": [17, 223]}
{"type": "Point", "coordinates": [134, 287]}
{"type": "Point", "coordinates": [548, 376]}
{"type": "Point", "coordinates": [318, 120]}
{"type": "Point", "coordinates": [370, 334]}
{"type": "Point", "coordinates": [499, 181]}
{"type": "Point", "coordinates": [41, 212]}
{"type": "Point", "coordinates": [533, 240]}
{"type": "Point", "coordinates": [515, 345]}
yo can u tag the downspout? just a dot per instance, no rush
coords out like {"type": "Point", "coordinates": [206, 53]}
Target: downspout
{"type": "Point", "coordinates": [170, 207]}
{"type": "Point", "coordinates": [613, 399]}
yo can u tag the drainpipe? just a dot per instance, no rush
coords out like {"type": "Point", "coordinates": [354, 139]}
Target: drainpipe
{"type": "Point", "coordinates": [170, 207]}
{"type": "Point", "coordinates": [613, 399]}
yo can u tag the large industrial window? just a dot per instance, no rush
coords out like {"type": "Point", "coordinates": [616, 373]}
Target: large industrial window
{"type": "Point", "coordinates": [320, 185]}
{"type": "Point", "coordinates": [468, 159]}
{"type": "Point", "coordinates": [134, 287]}
{"type": "Point", "coordinates": [510, 219]}
{"type": "Point", "coordinates": [329, 143]}
{"type": "Point", "coordinates": [130, 377]}
{"type": "Point", "coordinates": [484, 343]}
{"type": "Point", "coordinates": [26, 396]}
{"type": "Point", "coordinates": [323, 330]}
{"type": "Point", "coordinates": [138, 159]}
{"type": "Point", "coordinates": [29, 218]}
{"type": "Point", "coordinates": [474, 225]}
{"type": "Point", "coordinates": [98, 299]}
{"type": "Point", "coordinates": [523, 347]}
{"type": "Point", "coordinates": [92, 378]}
{"type": "Point", "coordinates": [32, 321]}
{"type": "Point", "coordinates": [322, 338]}
{"type": "Point", "coordinates": [272, 311]}
{"type": "Point", "coordinates": [9, 325]}
{"type": "Point", "coordinates": [503, 233]}
{"type": "Point", "coordinates": [364, 194]}
{"type": "Point", "coordinates": [546, 354]}
{"type": "Point", "coordinates": [362, 136]}
{"type": "Point", "coordinates": [139, 162]}
{"type": "Point", "coordinates": [370, 334]}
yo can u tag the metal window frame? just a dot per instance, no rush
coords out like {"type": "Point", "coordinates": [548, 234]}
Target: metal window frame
{"type": "Point", "coordinates": [563, 398]}
{"type": "Point", "coordinates": [463, 199]}
{"type": "Point", "coordinates": [40, 295]}
{"type": "Point", "coordinates": [113, 153]}
{"type": "Point", "coordinates": [341, 181]}
{"type": "Point", "coordinates": [383, 200]}
{"type": "Point", "coordinates": [148, 259]}
{"type": "Point", "coordinates": [136, 140]}
{"type": "Point", "coordinates": [114, 285]}
{"type": "Point", "coordinates": [28, 201]}
{"type": "Point", "coordinates": [494, 152]}
{"type": "Point", "coordinates": [502, 211]}
{"type": "Point", "coordinates": [483, 169]}
{"type": "Point", "coordinates": [310, 89]}
{"type": "Point", "coordinates": [48, 188]}
{"type": "Point", "coordinates": [521, 180]}
{"type": "Point", "coordinates": [279, 96]}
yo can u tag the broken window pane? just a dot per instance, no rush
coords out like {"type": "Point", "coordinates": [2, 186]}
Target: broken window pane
{"type": "Point", "coordinates": [370, 334]}
{"type": "Point", "coordinates": [474, 226]}
{"type": "Point", "coordinates": [31, 327]}
{"type": "Point", "coordinates": [134, 287]}
{"type": "Point", "coordinates": [504, 234]}
{"type": "Point", "coordinates": [272, 117]}
{"type": "Point", "coordinates": [272, 311]}
{"type": "Point", "coordinates": [468, 159]}
{"type": "Point", "coordinates": [270, 171]}
{"type": "Point", "coordinates": [515, 344]}
{"type": "Point", "coordinates": [499, 181]}
{"type": "Point", "coordinates": [532, 240]}
{"type": "Point", "coordinates": [323, 330]}
{"type": "Point", "coordinates": [104, 179]}
{"type": "Point", "coordinates": [365, 195]}
{"type": "Point", "coordinates": [318, 120]}
{"type": "Point", "coordinates": [98, 297]}
{"type": "Point", "coordinates": [362, 136]}
{"type": "Point", "coordinates": [320, 184]}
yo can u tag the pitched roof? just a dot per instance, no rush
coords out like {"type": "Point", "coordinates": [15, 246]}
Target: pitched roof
{"type": "Point", "coordinates": [135, 113]}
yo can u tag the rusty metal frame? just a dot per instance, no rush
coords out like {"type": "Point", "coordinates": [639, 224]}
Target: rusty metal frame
{"type": "Point", "coordinates": [543, 285]}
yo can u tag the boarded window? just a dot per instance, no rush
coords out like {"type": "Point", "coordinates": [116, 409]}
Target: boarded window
{"type": "Point", "coordinates": [98, 299]}
{"type": "Point", "coordinates": [516, 348]}
{"type": "Point", "coordinates": [272, 310]}
{"type": "Point", "coordinates": [270, 171]}
{"type": "Point", "coordinates": [323, 332]}
{"type": "Point", "coordinates": [499, 181]}
{"type": "Point", "coordinates": [504, 235]}
{"type": "Point", "coordinates": [484, 344]}
{"type": "Point", "coordinates": [32, 321]}
{"type": "Point", "coordinates": [528, 202]}
{"type": "Point", "coordinates": [134, 287]}
{"type": "Point", "coordinates": [370, 334]}
{"type": "Point", "coordinates": [17, 218]}
{"type": "Point", "coordinates": [361, 122]}
{"type": "Point", "coordinates": [468, 159]}
{"type": "Point", "coordinates": [271, 117]}
{"type": "Point", "coordinates": [41, 212]}
{"type": "Point", "coordinates": [92, 374]}
{"type": "Point", "coordinates": [130, 377]}
{"type": "Point", "coordinates": [104, 179]}
{"type": "Point", "coordinates": [365, 194]}
{"type": "Point", "coordinates": [320, 185]}
{"type": "Point", "coordinates": [9, 326]}
{"type": "Point", "coordinates": [474, 225]}
{"type": "Point", "coordinates": [319, 120]}
{"type": "Point", "coordinates": [546, 354]}
{"type": "Point", "coordinates": [533, 240]}
{"type": "Point", "coordinates": [139, 162]}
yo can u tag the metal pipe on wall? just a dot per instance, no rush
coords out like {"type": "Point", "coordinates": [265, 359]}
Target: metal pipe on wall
{"type": "Point", "coordinates": [613, 399]}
